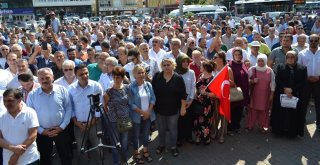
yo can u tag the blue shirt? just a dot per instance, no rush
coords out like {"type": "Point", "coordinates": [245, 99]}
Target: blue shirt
{"type": "Point", "coordinates": [80, 101]}
{"type": "Point", "coordinates": [53, 109]}
{"type": "Point", "coordinates": [42, 62]}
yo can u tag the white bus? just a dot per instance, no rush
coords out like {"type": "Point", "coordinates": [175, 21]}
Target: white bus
{"type": "Point", "coordinates": [198, 8]}
{"type": "Point", "coordinates": [257, 7]}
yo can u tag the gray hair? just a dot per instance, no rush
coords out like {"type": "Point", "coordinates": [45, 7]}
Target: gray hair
{"type": "Point", "coordinates": [46, 69]}
{"type": "Point", "coordinates": [113, 60]}
{"type": "Point", "coordinates": [68, 63]}
{"type": "Point", "coordinates": [176, 40]}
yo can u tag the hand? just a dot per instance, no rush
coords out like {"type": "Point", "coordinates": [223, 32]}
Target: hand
{"type": "Point", "coordinates": [18, 149]}
{"type": "Point", "coordinates": [146, 115]}
{"type": "Point", "coordinates": [38, 49]}
{"type": "Point", "coordinates": [81, 126]}
{"type": "Point", "coordinates": [287, 91]}
{"type": "Point", "coordinates": [56, 130]}
{"type": "Point", "coordinates": [13, 159]}
{"type": "Point", "coordinates": [183, 112]}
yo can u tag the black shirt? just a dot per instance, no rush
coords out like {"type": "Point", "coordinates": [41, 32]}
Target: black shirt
{"type": "Point", "coordinates": [56, 72]}
{"type": "Point", "coordinates": [169, 94]}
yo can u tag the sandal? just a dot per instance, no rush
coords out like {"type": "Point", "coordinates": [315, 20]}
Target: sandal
{"type": "Point", "coordinates": [138, 159]}
{"type": "Point", "coordinates": [160, 149]}
{"type": "Point", "coordinates": [147, 156]}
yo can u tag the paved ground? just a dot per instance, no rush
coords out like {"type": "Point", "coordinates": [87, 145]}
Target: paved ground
{"type": "Point", "coordinates": [244, 148]}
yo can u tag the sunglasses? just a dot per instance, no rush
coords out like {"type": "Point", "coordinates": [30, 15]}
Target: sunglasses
{"type": "Point", "coordinates": [314, 40]}
{"type": "Point", "coordinates": [66, 70]}
{"type": "Point", "coordinates": [4, 49]}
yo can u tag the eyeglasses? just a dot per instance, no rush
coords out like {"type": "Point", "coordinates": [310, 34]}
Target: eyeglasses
{"type": "Point", "coordinates": [15, 50]}
{"type": "Point", "coordinates": [139, 38]}
{"type": "Point", "coordinates": [314, 40]}
{"type": "Point", "coordinates": [66, 70]}
{"type": "Point", "coordinates": [4, 49]}
{"type": "Point", "coordinates": [166, 65]}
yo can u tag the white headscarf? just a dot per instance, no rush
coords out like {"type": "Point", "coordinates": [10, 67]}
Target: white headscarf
{"type": "Point", "coordinates": [264, 58]}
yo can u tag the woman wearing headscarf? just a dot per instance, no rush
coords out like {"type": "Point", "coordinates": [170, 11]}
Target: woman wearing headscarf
{"type": "Point", "coordinates": [291, 79]}
{"type": "Point", "coordinates": [261, 95]}
{"type": "Point", "coordinates": [188, 75]}
{"type": "Point", "coordinates": [240, 75]}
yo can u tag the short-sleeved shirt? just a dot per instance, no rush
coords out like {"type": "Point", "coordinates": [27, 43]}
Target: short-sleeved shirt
{"type": "Point", "coordinates": [278, 56]}
{"type": "Point", "coordinates": [15, 132]}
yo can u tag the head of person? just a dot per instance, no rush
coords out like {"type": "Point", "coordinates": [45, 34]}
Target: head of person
{"type": "Point", "coordinates": [4, 50]}
{"type": "Point", "coordinates": [238, 42]}
{"type": "Point", "coordinates": [168, 65]}
{"type": "Point", "coordinates": [23, 66]}
{"type": "Point", "coordinates": [68, 69]}
{"type": "Point", "coordinates": [109, 64]}
{"type": "Point", "coordinates": [75, 39]}
{"type": "Point", "coordinates": [271, 31]}
{"type": "Point", "coordinates": [301, 39]}
{"type": "Point", "coordinates": [220, 58]}
{"type": "Point", "coordinates": [118, 74]}
{"type": "Point", "coordinates": [239, 29]}
{"type": "Point", "coordinates": [100, 37]}
{"type": "Point", "coordinates": [46, 52]}
{"type": "Point", "coordinates": [12, 99]}
{"type": "Point", "coordinates": [156, 43]}
{"type": "Point", "coordinates": [207, 66]}
{"type": "Point", "coordinates": [123, 53]}
{"type": "Point", "coordinates": [91, 52]}
{"type": "Point", "coordinates": [82, 74]}
{"type": "Point", "coordinates": [101, 59]}
{"type": "Point", "coordinates": [45, 79]}
{"type": "Point", "coordinates": [237, 55]}
{"type": "Point", "coordinates": [291, 58]}
{"type": "Point", "coordinates": [248, 29]}
{"type": "Point", "coordinates": [71, 52]}
{"type": "Point", "coordinates": [175, 44]}
{"type": "Point", "coordinates": [12, 59]}
{"type": "Point", "coordinates": [182, 38]}
{"type": "Point", "coordinates": [256, 36]}
{"type": "Point", "coordinates": [66, 42]}
{"type": "Point", "coordinates": [314, 41]}
{"type": "Point", "coordinates": [144, 49]}
{"type": "Point", "coordinates": [286, 41]}
{"type": "Point", "coordinates": [196, 56]}
{"type": "Point", "coordinates": [49, 37]}
{"type": "Point", "coordinates": [182, 64]}
{"type": "Point", "coordinates": [229, 30]}
{"type": "Point", "coordinates": [139, 72]}
{"type": "Point", "coordinates": [134, 55]}
{"type": "Point", "coordinates": [26, 81]}
{"type": "Point", "coordinates": [105, 46]}
{"type": "Point", "coordinates": [255, 46]}
{"type": "Point", "coordinates": [58, 58]}
{"type": "Point", "coordinates": [202, 43]}
{"type": "Point", "coordinates": [17, 50]}
{"type": "Point", "coordinates": [261, 61]}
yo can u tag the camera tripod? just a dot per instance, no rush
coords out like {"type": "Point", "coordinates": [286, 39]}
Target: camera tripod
{"type": "Point", "coordinates": [96, 106]}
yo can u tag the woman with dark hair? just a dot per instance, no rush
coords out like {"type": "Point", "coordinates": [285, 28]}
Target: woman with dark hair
{"type": "Point", "coordinates": [221, 61]}
{"type": "Point", "coordinates": [291, 79]}
{"type": "Point", "coordinates": [240, 75]}
{"type": "Point", "coordinates": [116, 105]}
{"type": "Point", "coordinates": [203, 121]}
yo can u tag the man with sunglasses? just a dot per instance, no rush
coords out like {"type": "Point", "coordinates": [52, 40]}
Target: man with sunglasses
{"type": "Point", "coordinates": [311, 59]}
{"type": "Point", "coordinates": [300, 31]}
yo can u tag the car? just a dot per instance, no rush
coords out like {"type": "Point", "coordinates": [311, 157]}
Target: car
{"type": "Point", "coordinates": [214, 15]}
{"type": "Point", "coordinates": [84, 20]}
{"type": "Point", "coordinates": [250, 19]}
{"type": "Point", "coordinates": [41, 23]}
{"type": "Point", "coordinates": [95, 19]}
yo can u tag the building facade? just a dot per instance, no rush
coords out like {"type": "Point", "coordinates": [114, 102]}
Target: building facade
{"type": "Point", "coordinates": [82, 8]}
{"type": "Point", "coordinates": [118, 7]}
{"type": "Point", "coordinates": [16, 10]}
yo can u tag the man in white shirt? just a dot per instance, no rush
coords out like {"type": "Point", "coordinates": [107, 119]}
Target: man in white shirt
{"type": "Point", "coordinates": [134, 57]}
{"type": "Point", "coordinates": [18, 130]}
{"type": "Point", "coordinates": [4, 79]}
{"type": "Point", "coordinates": [300, 31]}
{"type": "Point", "coordinates": [228, 38]}
{"type": "Point", "coordinates": [79, 92]}
{"type": "Point", "coordinates": [156, 52]}
{"type": "Point", "coordinates": [311, 59]}
{"type": "Point", "coordinates": [252, 57]}
{"type": "Point", "coordinates": [271, 39]}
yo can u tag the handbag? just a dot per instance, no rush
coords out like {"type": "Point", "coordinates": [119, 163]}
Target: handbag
{"type": "Point", "coordinates": [287, 102]}
{"type": "Point", "coordinates": [197, 107]}
{"type": "Point", "coordinates": [236, 94]}
{"type": "Point", "coordinates": [124, 124]}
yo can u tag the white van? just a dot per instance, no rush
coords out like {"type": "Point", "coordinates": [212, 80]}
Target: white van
{"type": "Point", "coordinates": [198, 8]}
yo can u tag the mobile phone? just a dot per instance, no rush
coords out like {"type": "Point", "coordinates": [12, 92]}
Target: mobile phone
{"type": "Point", "coordinates": [44, 46]}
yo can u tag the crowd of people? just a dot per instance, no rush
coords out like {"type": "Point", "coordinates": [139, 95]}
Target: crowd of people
{"type": "Point", "coordinates": [152, 75]}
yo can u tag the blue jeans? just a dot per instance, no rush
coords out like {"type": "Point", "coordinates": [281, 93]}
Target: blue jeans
{"type": "Point", "coordinates": [123, 138]}
{"type": "Point", "coordinates": [143, 129]}
{"type": "Point", "coordinates": [170, 123]}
